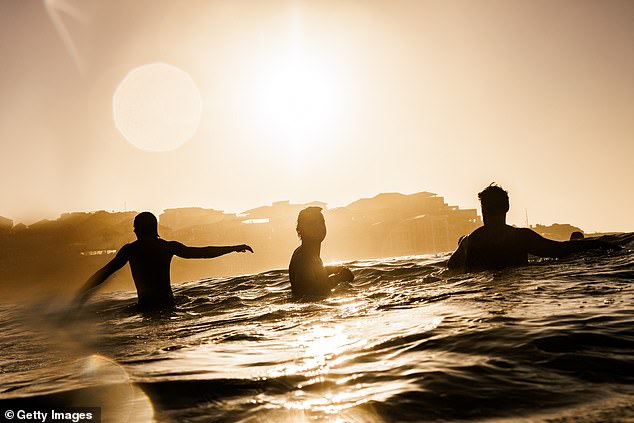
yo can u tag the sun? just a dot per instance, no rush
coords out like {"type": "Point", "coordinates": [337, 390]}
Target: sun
{"type": "Point", "coordinates": [157, 107]}
{"type": "Point", "coordinates": [297, 95]}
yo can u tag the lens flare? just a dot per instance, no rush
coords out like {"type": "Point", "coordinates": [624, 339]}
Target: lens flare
{"type": "Point", "coordinates": [157, 107]}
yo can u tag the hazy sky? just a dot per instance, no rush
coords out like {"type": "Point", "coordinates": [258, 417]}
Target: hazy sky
{"type": "Point", "coordinates": [317, 100]}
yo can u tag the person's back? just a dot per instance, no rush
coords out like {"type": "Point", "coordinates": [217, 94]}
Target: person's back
{"type": "Point", "coordinates": [495, 248]}
{"type": "Point", "coordinates": [497, 245]}
{"type": "Point", "coordinates": [150, 261]}
{"type": "Point", "coordinates": [150, 258]}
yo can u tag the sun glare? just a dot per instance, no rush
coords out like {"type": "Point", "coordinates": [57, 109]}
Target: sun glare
{"type": "Point", "coordinates": [297, 92]}
{"type": "Point", "coordinates": [157, 107]}
{"type": "Point", "coordinates": [297, 96]}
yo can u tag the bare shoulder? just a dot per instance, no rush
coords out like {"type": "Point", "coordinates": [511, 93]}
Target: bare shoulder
{"type": "Point", "coordinates": [475, 235]}
{"type": "Point", "coordinates": [127, 248]}
{"type": "Point", "coordinates": [526, 233]}
{"type": "Point", "coordinates": [478, 232]}
{"type": "Point", "coordinates": [297, 257]}
{"type": "Point", "coordinates": [301, 260]}
{"type": "Point", "coordinates": [297, 263]}
{"type": "Point", "coordinates": [172, 246]}
{"type": "Point", "coordinates": [123, 255]}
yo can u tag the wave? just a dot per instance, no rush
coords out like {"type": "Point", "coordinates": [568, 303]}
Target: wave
{"type": "Point", "coordinates": [406, 341]}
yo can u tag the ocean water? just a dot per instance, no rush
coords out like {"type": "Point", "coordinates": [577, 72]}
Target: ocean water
{"type": "Point", "coordinates": [406, 341]}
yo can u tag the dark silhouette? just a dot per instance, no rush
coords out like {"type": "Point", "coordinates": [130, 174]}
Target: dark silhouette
{"type": "Point", "coordinates": [306, 271]}
{"type": "Point", "coordinates": [497, 245]}
{"type": "Point", "coordinates": [386, 225]}
{"type": "Point", "coordinates": [150, 258]}
{"type": "Point", "coordinates": [576, 235]}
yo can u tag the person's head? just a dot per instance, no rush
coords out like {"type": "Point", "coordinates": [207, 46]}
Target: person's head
{"type": "Point", "coordinates": [145, 225]}
{"type": "Point", "coordinates": [311, 224]}
{"type": "Point", "coordinates": [576, 235]}
{"type": "Point", "coordinates": [494, 201]}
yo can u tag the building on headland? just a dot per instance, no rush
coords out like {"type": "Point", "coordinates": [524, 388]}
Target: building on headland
{"type": "Point", "coordinates": [393, 224]}
{"type": "Point", "coordinates": [68, 250]}
{"type": "Point", "coordinates": [556, 231]}
{"type": "Point", "coordinates": [180, 218]}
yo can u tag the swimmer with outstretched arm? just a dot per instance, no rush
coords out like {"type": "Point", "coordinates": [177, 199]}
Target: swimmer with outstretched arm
{"type": "Point", "coordinates": [306, 271]}
{"type": "Point", "coordinates": [497, 245]}
{"type": "Point", "coordinates": [150, 258]}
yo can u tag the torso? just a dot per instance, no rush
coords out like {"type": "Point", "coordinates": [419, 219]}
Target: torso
{"type": "Point", "coordinates": [305, 273]}
{"type": "Point", "coordinates": [495, 248]}
{"type": "Point", "coordinates": [150, 261]}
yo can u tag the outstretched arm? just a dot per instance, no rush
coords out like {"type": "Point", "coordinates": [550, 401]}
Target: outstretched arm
{"type": "Point", "coordinates": [101, 275]}
{"type": "Point", "coordinates": [543, 247]}
{"type": "Point", "coordinates": [184, 251]}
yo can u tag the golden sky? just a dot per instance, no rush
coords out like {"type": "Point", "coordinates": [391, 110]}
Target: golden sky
{"type": "Point", "coordinates": [233, 104]}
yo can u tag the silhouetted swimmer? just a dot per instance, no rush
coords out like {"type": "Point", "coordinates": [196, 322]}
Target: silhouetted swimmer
{"type": "Point", "coordinates": [306, 271]}
{"type": "Point", "coordinates": [497, 245]}
{"type": "Point", "coordinates": [576, 236]}
{"type": "Point", "coordinates": [150, 258]}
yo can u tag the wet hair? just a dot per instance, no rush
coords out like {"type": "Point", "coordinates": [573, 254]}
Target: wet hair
{"type": "Point", "coordinates": [576, 235]}
{"type": "Point", "coordinates": [494, 200]}
{"type": "Point", "coordinates": [307, 216]}
{"type": "Point", "coordinates": [146, 225]}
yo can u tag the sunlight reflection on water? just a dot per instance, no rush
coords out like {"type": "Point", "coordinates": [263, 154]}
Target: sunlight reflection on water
{"type": "Point", "coordinates": [325, 346]}
{"type": "Point", "coordinates": [395, 346]}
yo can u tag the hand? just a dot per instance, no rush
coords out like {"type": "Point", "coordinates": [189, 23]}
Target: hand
{"type": "Point", "coordinates": [346, 275]}
{"type": "Point", "coordinates": [334, 270]}
{"type": "Point", "coordinates": [243, 248]}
